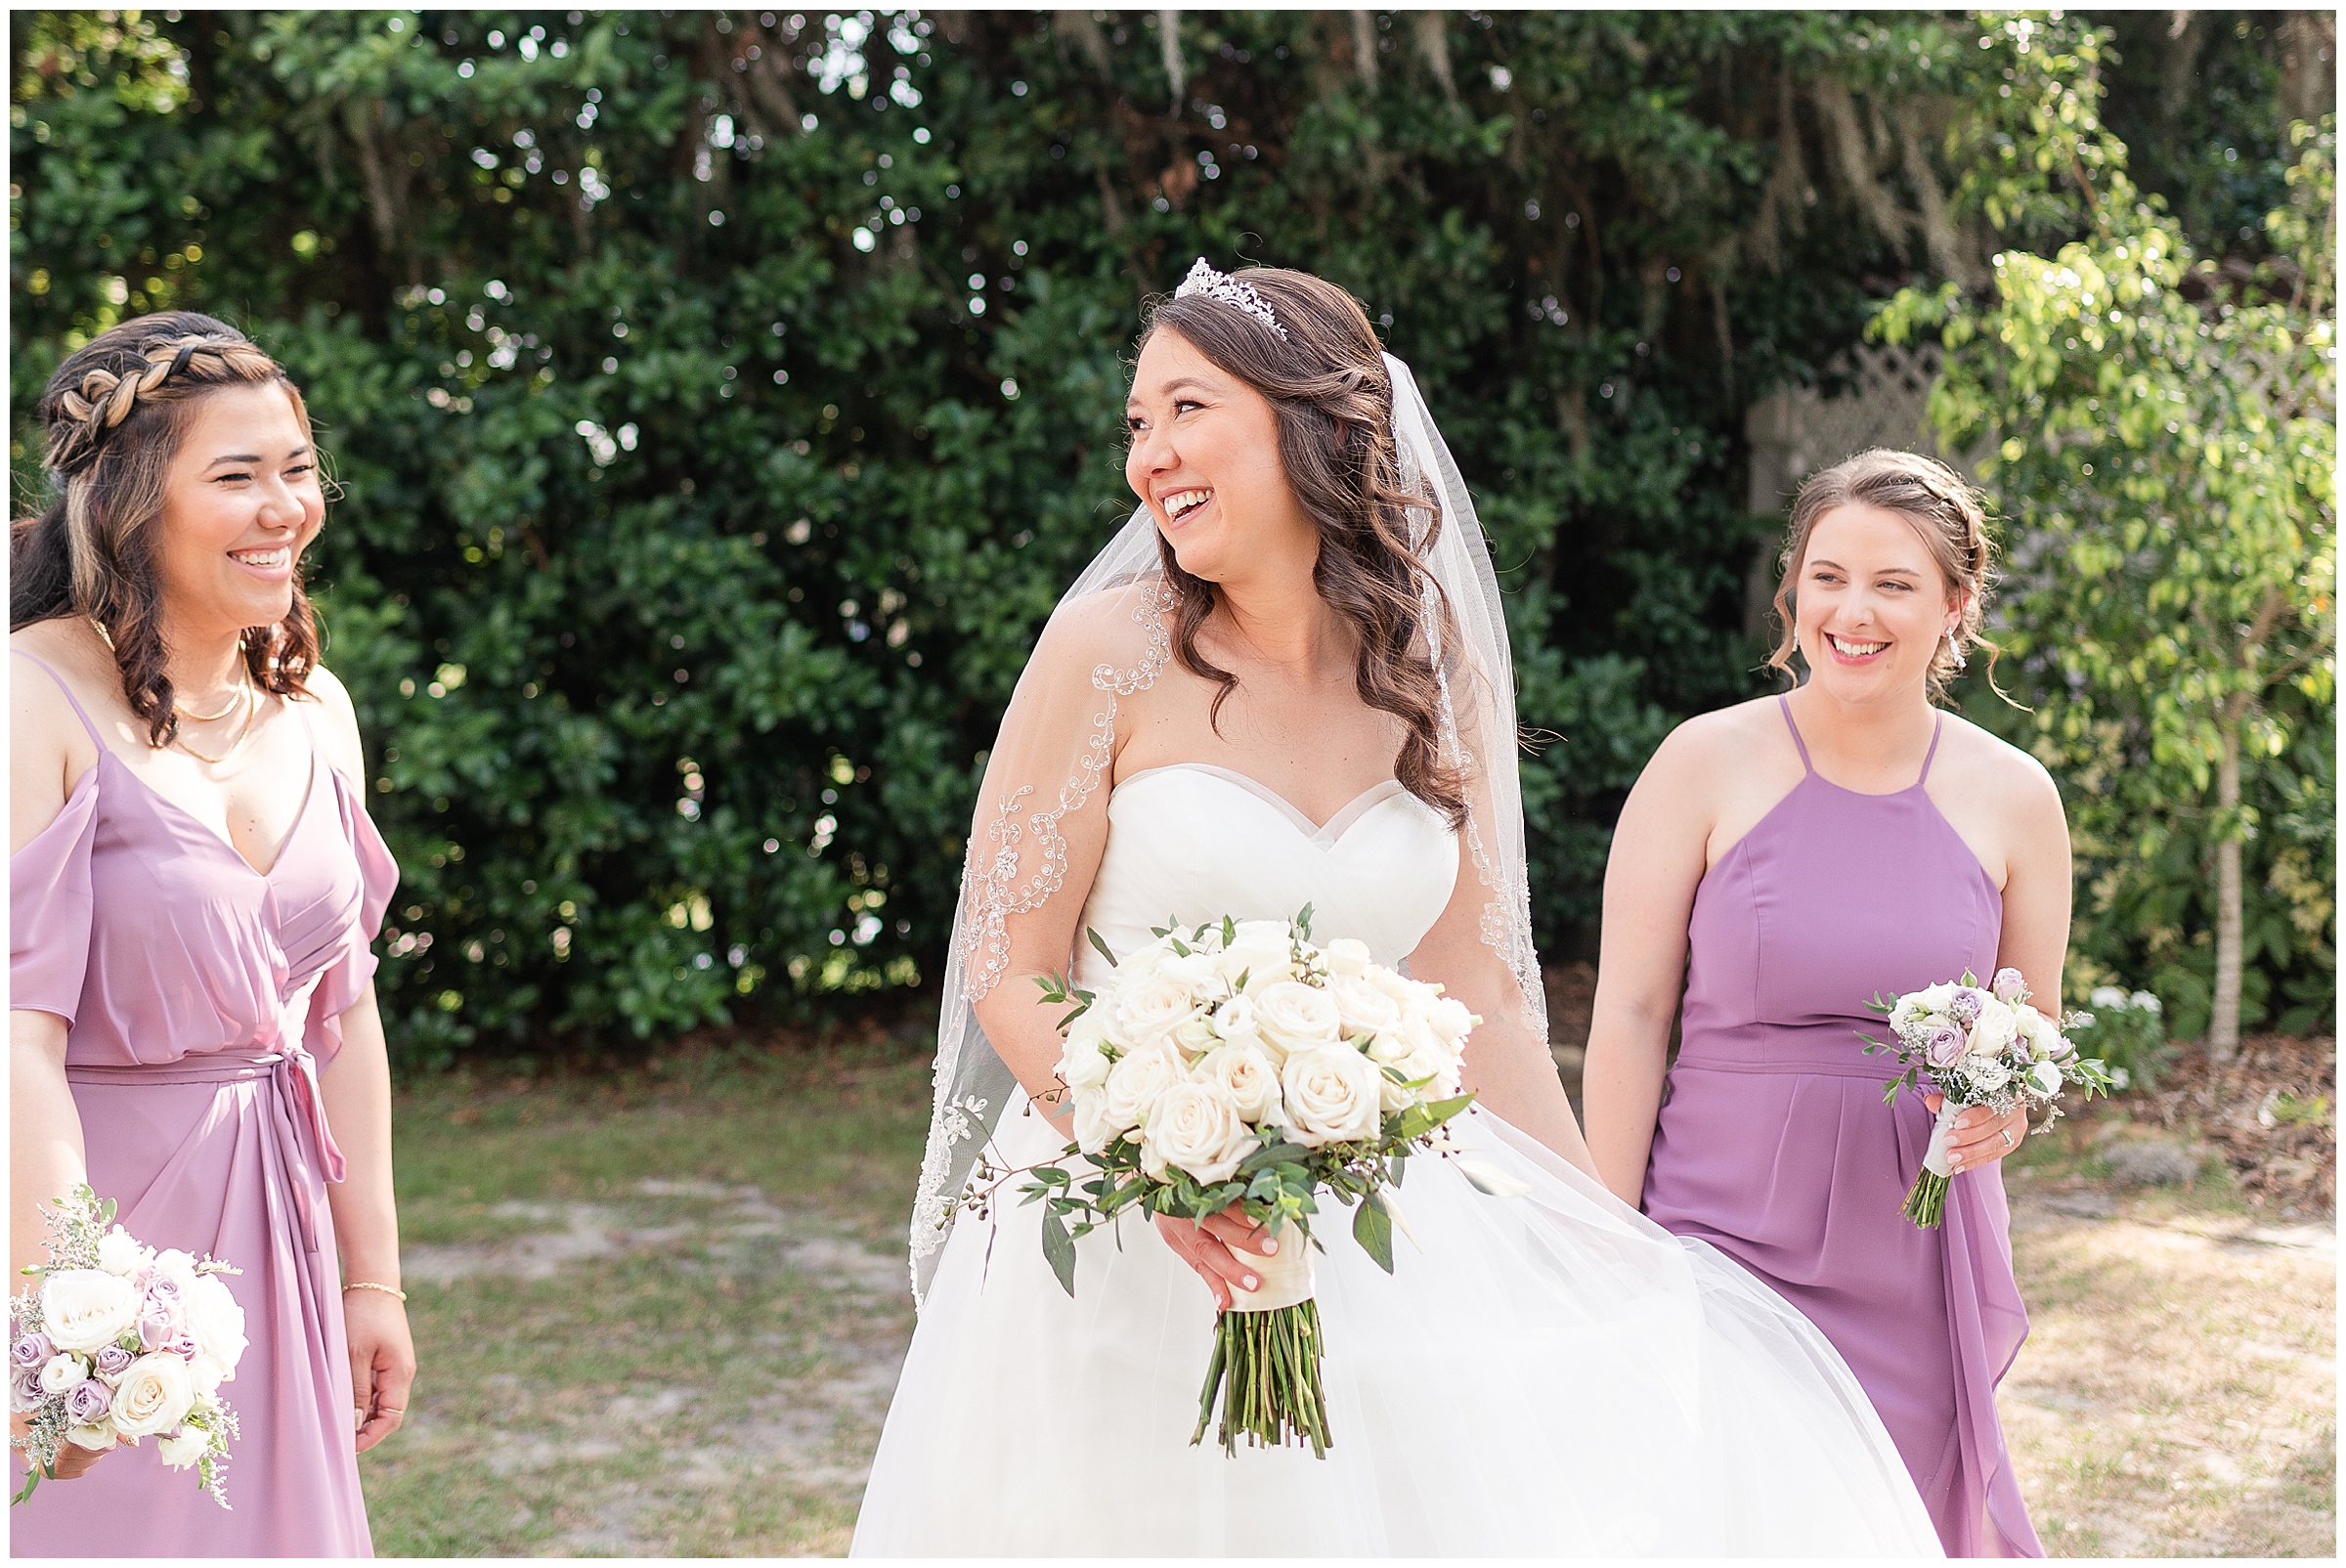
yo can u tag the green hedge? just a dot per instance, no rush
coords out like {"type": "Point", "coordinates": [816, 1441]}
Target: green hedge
{"type": "Point", "coordinates": [722, 400]}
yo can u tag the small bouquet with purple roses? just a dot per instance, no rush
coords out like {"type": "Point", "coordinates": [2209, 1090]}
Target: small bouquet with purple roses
{"type": "Point", "coordinates": [122, 1342]}
{"type": "Point", "coordinates": [1979, 1046]}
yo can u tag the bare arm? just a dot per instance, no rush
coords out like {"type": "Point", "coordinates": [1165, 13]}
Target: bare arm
{"type": "Point", "coordinates": [46, 1155]}
{"type": "Point", "coordinates": [47, 747]}
{"type": "Point", "coordinates": [356, 1087]}
{"type": "Point", "coordinates": [1658, 850]}
{"type": "Point", "coordinates": [356, 1090]}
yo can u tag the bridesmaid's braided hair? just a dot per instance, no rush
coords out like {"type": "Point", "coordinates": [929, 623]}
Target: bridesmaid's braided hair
{"type": "Point", "coordinates": [1944, 510]}
{"type": "Point", "coordinates": [1327, 385]}
{"type": "Point", "coordinates": [115, 413]}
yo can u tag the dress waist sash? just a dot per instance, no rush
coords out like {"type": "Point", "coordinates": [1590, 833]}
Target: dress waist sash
{"type": "Point", "coordinates": [1828, 1048]}
{"type": "Point", "coordinates": [308, 1145]}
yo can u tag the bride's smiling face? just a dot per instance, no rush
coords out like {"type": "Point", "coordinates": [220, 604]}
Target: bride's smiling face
{"type": "Point", "coordinates": [1204, 460]}
{"type": "Point", "coordinates": [1871, 606]}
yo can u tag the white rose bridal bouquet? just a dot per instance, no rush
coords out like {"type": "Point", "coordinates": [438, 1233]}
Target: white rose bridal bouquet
{"type": "Point", "coordinates": [1979, 1046]}
{"type": "Point", "coordinates": [1239, 1064]}
{"type": "Point", "coordinates": [122, 1342]}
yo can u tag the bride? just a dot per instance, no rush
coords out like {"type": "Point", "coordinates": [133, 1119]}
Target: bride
{"type": "Point", "coordinates": [1286, 682]}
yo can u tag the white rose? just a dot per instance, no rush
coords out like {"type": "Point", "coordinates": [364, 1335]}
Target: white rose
{"type": "Point", "coordinates": [1450, 1021]}
{"type": "Point", "coordinates": [178, 1265]}
{"type": "Point", "coordinates": [1082, 1064]}
{"type": "Point", "coordinates": [183, 1449]}
{"type": "Point", "coordinates": [119, 1252]}
{"type": "Point", "coordinates": [2045, 1077]}
{"type": "Point", "coordinates": [1361, 1008]}
{"type": "Point", "coordinates": [85, 1309]}
{"type": "Point", "coordinates": [1093, 1129]}
{"type": "Point", "coordinates": [1936, 998]}
{"type": "Point", "coordinates": [96, 1438]}
{"type": "Point", "coordinates": [1347, 955]}
{"type": "Point", "coordinates": [1193, 1126]}
{"type": "Point", "coordinates": [216, 1321]}
{"type": "Point", "coordinates": [209, 1375]}
{"type": "Point", "coordinates": [1392, 982]}
{"type": "Point", "coordinates": [1197, 972]}
{"type": "Point", "coordinates": [1136, 1080]}
{"type": "Point", "coordinates": [1995, 1029]}
{"type": "Point", "coordinates": [62, 1372]}
{"type": "Point", "coordinates": [1262, 950]}
{"type": "Point", "coordinates": [2042, 1035]}
{"type": "Point", "coordinates": [1149, 1006]}
{"type": "Point", "coordinates": [1242, 1071]}
{"type": "Point", "coordinates": [1295, 1017]}
{"type": "Point", "coordinates": [1417, 1053]}
{"type": "Point", "coordinates": [153, 1396]}
{"type": "Point", "coordinates": [1332, 1093]}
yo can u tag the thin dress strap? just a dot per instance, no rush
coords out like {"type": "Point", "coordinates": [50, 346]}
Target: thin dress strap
{"type": "Point", "coordinates": [1938, 723]}
{"type": "Point", "coordinates": [86, 722]}
{"type": "Point", "coordinates": [1785, 702]}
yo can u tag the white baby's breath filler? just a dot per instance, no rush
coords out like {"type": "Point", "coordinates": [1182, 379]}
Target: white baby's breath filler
{"type": "Point", "coordinates": [1236, 1063]}
{"type": "Point", "coordinates": [1979, 1046]}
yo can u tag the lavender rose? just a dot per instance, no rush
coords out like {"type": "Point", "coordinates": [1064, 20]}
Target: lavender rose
{"type": "Point", "coordinates": [24, 1390]}
{"type": "Point", "coordinates": [158, 1329]}
{"type": "Point", "coordinates": [183, 1345]}
{"type": "Point", "coordinates": [87, 1401]}
{"type": "Point", "coordinates": [113, 1360]}
{"type": "Point", "coordinates": [1945, 1047]}
{"type": "Point", "coordinates": [34, 1350]}
{"type": "Point", "coordinates": [1965, 1009]}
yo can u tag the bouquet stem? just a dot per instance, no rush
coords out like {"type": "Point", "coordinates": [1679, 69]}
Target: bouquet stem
{"type": "Point", "coordinates": [1265, 1371]}
{"type": "Point", "coordinates": [1927, 1198]}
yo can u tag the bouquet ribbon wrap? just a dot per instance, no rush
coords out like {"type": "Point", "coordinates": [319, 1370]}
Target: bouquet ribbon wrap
{"type": "Point", "coordinates": [1934, 1158]}
{"type": "Point", "coordinates": [1286, 1277]}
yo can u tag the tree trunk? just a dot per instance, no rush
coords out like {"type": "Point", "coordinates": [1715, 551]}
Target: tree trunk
{"type": "Point", "coordinates": [2224, 1021]}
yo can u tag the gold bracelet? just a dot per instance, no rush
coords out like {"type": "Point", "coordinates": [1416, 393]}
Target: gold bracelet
{"type": "Point", "coordinates": [368, 1285]}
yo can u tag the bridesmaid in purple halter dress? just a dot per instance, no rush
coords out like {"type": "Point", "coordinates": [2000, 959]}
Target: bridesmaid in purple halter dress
{"type": "Point", "coordinates": [1791, 858]}
{"type": "Point", "coordinates": [191, 1015]}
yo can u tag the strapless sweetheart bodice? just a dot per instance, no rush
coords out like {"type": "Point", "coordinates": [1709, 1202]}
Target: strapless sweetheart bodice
{"type": "Point", "coordinates": [1190, 842]}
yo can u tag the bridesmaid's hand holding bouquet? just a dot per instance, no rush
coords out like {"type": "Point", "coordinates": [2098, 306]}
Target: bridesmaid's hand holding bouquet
{"type": "Point", "coordinates": [1980, 1046]}
{"type": "Point", "coordinates": [121, 1342]}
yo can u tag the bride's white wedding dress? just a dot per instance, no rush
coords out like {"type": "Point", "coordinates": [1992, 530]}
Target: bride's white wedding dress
{"type": "Point", "coordinates": [1548, 1374]}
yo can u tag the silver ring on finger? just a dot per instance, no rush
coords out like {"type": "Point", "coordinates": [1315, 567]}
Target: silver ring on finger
{"type": "Point", "coordinates": [2009, 1140]}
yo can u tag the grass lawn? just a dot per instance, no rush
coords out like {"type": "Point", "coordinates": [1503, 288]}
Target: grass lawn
{"type": "Point", "coordinates": [661, 1313]}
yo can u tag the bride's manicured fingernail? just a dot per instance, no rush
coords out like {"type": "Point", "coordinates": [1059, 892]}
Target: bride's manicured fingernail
{"type": "Point", "coordinates": [1269, 1247]}
{"type": "Point", "coordinates": [1252, 1281]}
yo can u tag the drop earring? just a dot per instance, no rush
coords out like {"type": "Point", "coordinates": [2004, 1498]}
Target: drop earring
{"type": "Point", "coordinates": [1955, 653]}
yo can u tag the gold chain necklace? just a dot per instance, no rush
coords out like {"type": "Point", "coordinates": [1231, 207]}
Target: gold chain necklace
{"type": "Point", "coordinates": [252, 712]}
{"type": "Point", "coordinates": [235, 697]}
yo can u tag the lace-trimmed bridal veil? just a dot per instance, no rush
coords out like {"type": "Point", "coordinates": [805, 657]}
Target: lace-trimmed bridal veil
{"type": "Point", "coordinates": [1041, 819]}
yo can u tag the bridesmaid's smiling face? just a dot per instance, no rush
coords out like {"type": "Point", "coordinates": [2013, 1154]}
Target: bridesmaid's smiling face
{"type": "Point", "coordinates": [1871, 608]}
{"type": "Point", "coordinates": [1204, 461]}
{"type": "Point", "coordinates": [241, 501]}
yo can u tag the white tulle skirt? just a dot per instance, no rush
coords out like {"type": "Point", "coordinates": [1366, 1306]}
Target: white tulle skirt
{"type": "Point", "coordinates": [1548, 1376]}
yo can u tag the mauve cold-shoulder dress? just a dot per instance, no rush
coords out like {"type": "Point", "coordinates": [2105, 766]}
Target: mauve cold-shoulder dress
{"type": "Point", "coordinates": [1774, 1145]}
{"type": "Point", "coordinates": [202, 999]}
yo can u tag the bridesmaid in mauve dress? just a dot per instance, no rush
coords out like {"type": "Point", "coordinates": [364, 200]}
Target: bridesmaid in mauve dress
{"type": "Point", "coordinates": [192, 1015]}
{"type": "Point", "coordinates": [1788, 878]}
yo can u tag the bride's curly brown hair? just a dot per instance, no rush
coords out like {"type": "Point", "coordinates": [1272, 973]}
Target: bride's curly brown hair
{"type": "Point", "coordinates": [1329, 387]}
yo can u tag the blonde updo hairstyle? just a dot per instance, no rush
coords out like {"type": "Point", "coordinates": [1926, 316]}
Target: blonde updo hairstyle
{"type": "Point", "coordinates": [1945, 510]}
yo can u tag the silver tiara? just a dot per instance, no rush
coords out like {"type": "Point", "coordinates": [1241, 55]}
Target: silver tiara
{"type": "Point", "coordinates": [1221, 286]}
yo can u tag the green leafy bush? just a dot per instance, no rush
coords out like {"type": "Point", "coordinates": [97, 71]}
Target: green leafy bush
{"type": "Point", "coordinates": [722, 399]}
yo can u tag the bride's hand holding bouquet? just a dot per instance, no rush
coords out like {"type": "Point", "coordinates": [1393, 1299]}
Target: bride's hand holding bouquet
{"type": "Point", "coordinates": [1225, 1077]}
